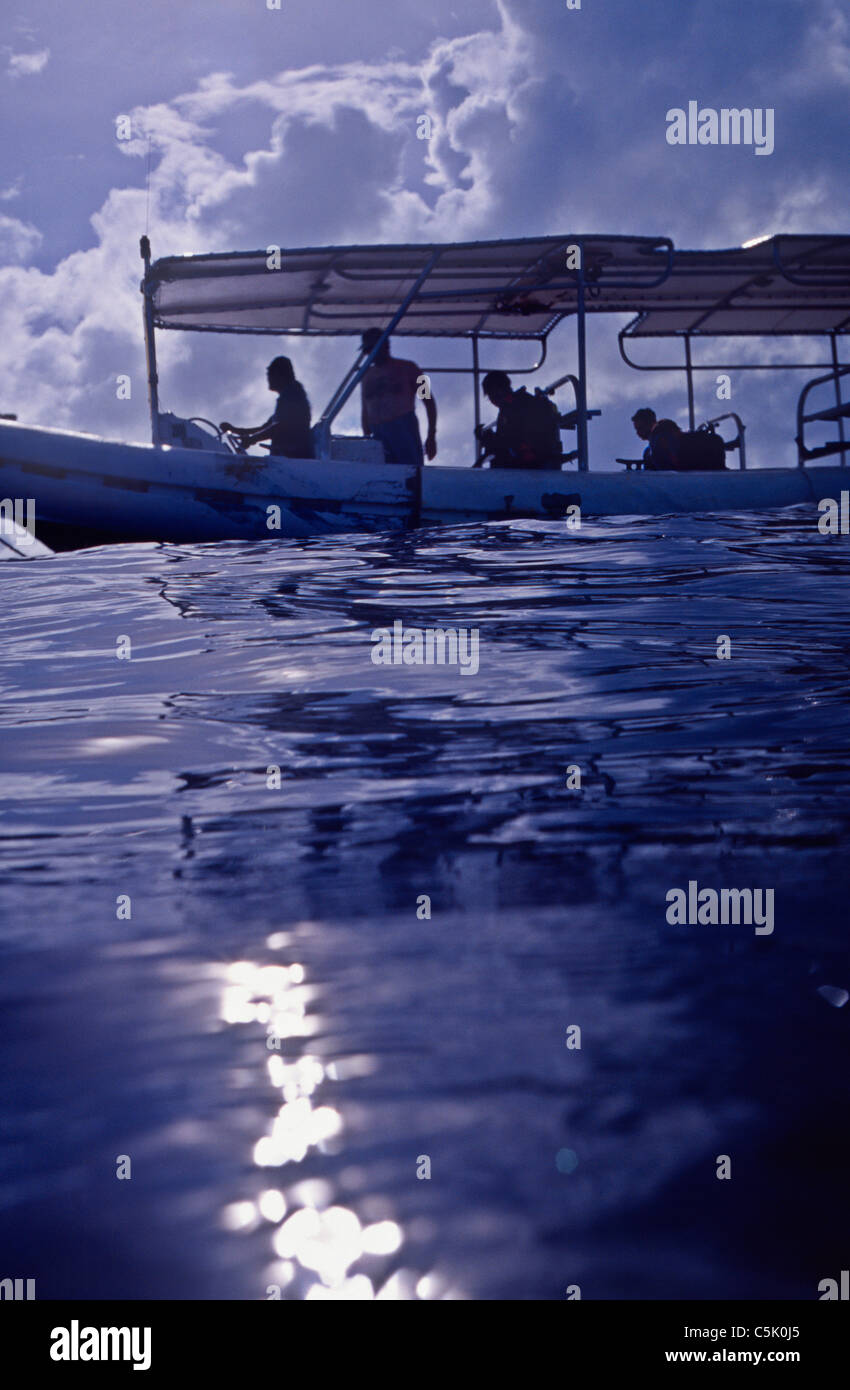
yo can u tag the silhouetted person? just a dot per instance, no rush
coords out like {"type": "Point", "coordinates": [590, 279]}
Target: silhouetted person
{"type": "Point", "coordinates": [288, 428]}
{"type": "Point", "coordinates": [526, 433]}
{"type": "Point", "coordinates": [388, 405]}
{"type": "Point", "coordinates": [662, 439]}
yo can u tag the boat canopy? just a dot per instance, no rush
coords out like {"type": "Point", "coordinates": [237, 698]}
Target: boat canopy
{"type": "Point", "coordinates": [522, 288]}
{"type": "Point", "coordinates": [498, 290]}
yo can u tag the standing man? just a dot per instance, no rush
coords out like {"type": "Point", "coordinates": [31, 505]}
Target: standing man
{"type": "Point", "coordinates": [388, 405]}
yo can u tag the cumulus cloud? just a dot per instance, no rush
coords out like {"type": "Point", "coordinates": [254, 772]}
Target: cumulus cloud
{"type": "Point", "coordinates": [397, 187]}
{"type": "Point", "coordinates": [341, 162]}
{"type": "Point", "coordinates": [825, 57]}
{"type": "Point", "coordinates": [18, 239]}
{"type": "Point", "coordinates": [26, 64]}
{"type": "Point", "coordinates": [544, 123]}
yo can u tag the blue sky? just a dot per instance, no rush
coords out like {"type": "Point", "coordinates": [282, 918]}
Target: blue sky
{"type": "Point", "coordinates": [298, 126]}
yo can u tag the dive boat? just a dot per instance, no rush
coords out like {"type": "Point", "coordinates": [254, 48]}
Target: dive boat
{"type": "Point", "coordinates": [193, 482]}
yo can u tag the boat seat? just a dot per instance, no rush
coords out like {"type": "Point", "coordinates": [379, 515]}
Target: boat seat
{"type": "Point", "coordinates": [356, 448]}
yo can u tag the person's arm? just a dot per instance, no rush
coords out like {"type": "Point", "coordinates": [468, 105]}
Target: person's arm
{"type": "Point", "coordinates": [486, 436]}
{"type": "Point", "coordinates": [430, 408]}
{"type": "Point", "coordinates": [504, 432]}
{"type": "Point", "coordinates": [431, 438]}
{"type": "Point", "coordinates": [255, 436]}
{"type": "Point", "coordinates": [249, 436]}
{"type": "Point", "coordinates": [365, 413]}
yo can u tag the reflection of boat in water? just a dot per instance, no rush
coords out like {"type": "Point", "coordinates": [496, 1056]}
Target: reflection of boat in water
{"type": "Point", "coordinates": [193, 483]}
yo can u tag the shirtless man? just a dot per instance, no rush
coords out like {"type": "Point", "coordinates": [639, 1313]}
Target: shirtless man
{"type": "Point", "coordinates": [388, 405]}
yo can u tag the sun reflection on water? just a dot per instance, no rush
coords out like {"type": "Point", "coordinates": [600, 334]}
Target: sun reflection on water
{"type": "Point", "coordinates": [315, 1237]}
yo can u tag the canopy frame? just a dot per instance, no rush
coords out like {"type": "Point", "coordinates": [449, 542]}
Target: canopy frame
{"type": "Point", "coordinates": [836, 371]}
{"type": "Point", "coordinates": [150, 343]}
{"type": "Point", "coordinates": [480, 293]}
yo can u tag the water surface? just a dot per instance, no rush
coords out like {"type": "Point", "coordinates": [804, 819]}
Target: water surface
{"type": "Point", "coordinates": [401, 1037]}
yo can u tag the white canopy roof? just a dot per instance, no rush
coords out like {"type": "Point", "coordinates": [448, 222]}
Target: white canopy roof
{"type": "Point", "coordinates": [511, 289]}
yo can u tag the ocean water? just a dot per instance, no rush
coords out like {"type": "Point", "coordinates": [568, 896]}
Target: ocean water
{"type": "Point", "coordinates": [230, 991]}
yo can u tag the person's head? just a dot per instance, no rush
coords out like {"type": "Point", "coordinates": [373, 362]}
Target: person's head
{"type": "Point", "coordinates": [368, 341]}
{"type": "Point", "coordinates": [280, 373]}
{"type": "Point", "coordinates": [497, 388]}
{"type": "Point", "coordinates": [644, 422]}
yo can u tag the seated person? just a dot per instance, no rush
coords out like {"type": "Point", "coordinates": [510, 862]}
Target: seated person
{"type": "Point", "coordinates": [662, 436]}
{"type": "Point", "coordinates": [527, 432]}
{"type": "Point", "coordinates": [388, 405]}
{"type": "Point", "coordinates": [288, 428]}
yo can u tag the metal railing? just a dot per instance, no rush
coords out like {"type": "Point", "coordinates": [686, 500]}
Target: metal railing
{"type": "Point", "coordinates": [838, 413]}
{"type": "Point", "coordinates": [568, 419]}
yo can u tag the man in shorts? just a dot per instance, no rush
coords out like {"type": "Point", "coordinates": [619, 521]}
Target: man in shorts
{"type": "Point", "coordinates": [388, 405]}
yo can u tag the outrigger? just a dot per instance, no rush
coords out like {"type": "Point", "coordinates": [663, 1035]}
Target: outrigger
{"type": "Point", "coordinates": [192, 483]}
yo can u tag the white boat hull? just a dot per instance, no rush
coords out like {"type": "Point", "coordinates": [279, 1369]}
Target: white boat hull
{"type": "Point", "coordinates": [113, 491]}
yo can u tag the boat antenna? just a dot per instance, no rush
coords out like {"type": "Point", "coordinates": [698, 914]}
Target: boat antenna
{"type": "Point", "coordinates": [148, 190]}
